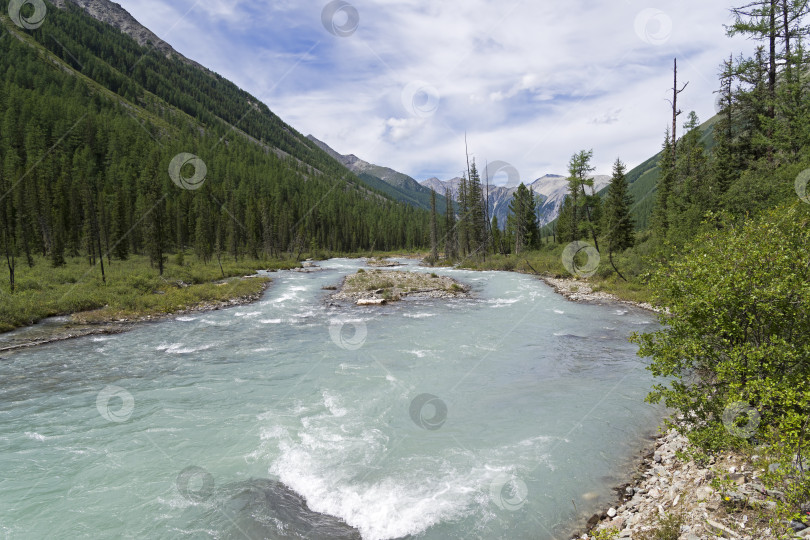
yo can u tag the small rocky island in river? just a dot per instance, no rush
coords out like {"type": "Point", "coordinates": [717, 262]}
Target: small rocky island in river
{"type": "Point", "coordinates": [378, 287]}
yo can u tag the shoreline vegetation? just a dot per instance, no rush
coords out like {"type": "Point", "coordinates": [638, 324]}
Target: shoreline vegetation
{"type": "Point", "coordinates": [131, 291]}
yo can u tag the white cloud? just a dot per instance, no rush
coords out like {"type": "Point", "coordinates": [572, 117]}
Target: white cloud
{"type": "Point", "coordinates": [529, 82]}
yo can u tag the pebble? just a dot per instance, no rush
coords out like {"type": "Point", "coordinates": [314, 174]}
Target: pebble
{"type": "Point", "coordinates": [611, 513]}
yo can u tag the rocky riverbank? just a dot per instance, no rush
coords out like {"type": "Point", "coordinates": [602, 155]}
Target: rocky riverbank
{"type": "Point", "coordinates": [378, 287]}
{"type": "Point", "coordinates": [672, 496]}
{"type": "Point", "coordinates": [578, 290]}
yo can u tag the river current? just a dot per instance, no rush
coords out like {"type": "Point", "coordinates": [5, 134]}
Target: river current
{"type": "Point", "coordinates": [508, 415]}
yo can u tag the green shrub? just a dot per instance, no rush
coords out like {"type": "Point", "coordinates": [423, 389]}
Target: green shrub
{"type": "Point", "coordinates": [668, 527]}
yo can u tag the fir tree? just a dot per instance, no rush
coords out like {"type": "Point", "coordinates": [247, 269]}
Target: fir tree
{"type": "Point", "coordinates": [450, 243]}
{"type": "Point", "coordinates": [434, 240]}
{"type": "Point", "coordinates": [618, 221]}
{"type": "Point", "coordinates": [666, 178]}
{"type": "Point", "coordinates": [522, 219]}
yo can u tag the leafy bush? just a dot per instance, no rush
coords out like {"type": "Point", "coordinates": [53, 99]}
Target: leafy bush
{"type": "Point", "coordinates": [667, 528]}
{"type": "Point", "coordinates": [735, 343]}
{"type": "Point", "coordinates": [608, 533]}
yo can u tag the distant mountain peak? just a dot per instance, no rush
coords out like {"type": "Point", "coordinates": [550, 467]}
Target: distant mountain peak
{"type": "Point", "coordinates": [404, 187]}
{"type": "Point", "coordinates": [550, 188]}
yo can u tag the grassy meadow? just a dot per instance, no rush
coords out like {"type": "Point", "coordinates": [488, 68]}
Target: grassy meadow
{"type": "Point", "coordinates": [133, 288]}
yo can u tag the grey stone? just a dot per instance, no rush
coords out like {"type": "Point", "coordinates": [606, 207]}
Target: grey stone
{"type": "Point", "coordinates": [719, 529]}
{"type": "Point", "coordinates": [759, 487]}
{"type": "Point", "coordinates": [737, 478]}
{"type": "Point", "coordinates": [796, 526]}
{"type": "Point", "coordinates": [775, 494]}
{"type": "Point", "coordinates": [767, 505]}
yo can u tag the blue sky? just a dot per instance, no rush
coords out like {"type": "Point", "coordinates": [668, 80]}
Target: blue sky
{"type": "Point", "coordinates": [398, 83]}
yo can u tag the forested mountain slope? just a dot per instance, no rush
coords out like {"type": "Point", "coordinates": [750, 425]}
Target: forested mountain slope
{"type": "Point", "coordinates": [92, 121]}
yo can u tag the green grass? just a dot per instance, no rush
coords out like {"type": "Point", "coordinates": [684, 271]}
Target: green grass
{"type": "Point", "coordinates": [133, 288]}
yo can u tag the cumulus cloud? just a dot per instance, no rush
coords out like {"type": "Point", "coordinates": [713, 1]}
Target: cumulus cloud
{"type": "Point", "coordinates": [530, 83]}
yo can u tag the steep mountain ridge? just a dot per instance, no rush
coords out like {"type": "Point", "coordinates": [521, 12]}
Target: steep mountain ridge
{"type": "Point", "coordinates": [398, 185]}
{"type": "Point", "coordinates": [251, 118]}
{"type": "Point", "coordinates": [116, 16]}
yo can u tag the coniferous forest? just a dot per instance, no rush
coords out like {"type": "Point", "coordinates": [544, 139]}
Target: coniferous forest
{"type": "Point", "coordinates": [91, 122]}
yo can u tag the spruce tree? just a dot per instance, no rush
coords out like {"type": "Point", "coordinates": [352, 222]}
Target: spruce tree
{"type": "Point", "coordinates": [617, 219]}
{"type": "Point", "coordinates": [666, 178]}
{"type": "Point", "coordinates": [477, 221]}
{"type": "Point", "coordinates": [450, 243]}
{"type": "Point", "coordinates": [522, 219]}
{"type": "Point", "coordinates": [434, 240]}
{"type": "Point", "coordinates": [565, 229]}
{"type": "Point", "coordinates": [497, 237]}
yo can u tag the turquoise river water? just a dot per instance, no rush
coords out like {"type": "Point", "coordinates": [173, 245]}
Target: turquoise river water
{"type": "Point", "coordinates": [509, 415]}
